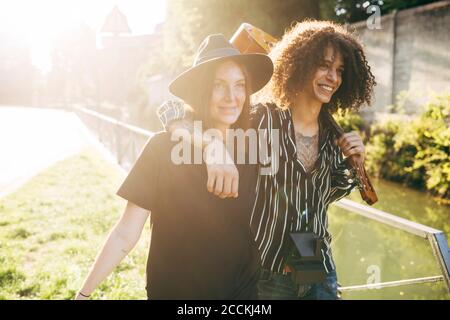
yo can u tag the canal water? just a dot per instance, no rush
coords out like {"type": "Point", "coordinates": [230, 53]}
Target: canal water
{"type": "Point", "coordinates": [367, 251]}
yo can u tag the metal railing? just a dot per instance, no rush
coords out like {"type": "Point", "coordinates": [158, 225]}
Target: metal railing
{"type": "Point", "coordinates": [436, 238]}
{"type": "Point", "coordinates": [126, 141]}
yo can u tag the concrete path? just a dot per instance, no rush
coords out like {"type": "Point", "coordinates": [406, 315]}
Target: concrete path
{"type": "Point", "coordinates": [32, 139]}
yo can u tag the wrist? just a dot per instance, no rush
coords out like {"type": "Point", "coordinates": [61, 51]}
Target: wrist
{"type": "Point", "coordinates": [84, 294]}
{"type": "Point", "coordinates": [217, 153]}
{"type": "Point", "coordinates": [207, 140]}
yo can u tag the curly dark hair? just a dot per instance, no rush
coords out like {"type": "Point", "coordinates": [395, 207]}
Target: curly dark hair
{"type": "Point", "coordinates": [301, 51]}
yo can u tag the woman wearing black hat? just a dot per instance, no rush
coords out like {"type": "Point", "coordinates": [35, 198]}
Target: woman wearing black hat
{"type": "Point", "coordinates": [201, 247]}
{"type": "Point", "coordinates": [319, 67]}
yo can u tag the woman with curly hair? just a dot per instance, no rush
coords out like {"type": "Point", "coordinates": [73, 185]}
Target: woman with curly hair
{"type": "Point", "coordinates": [319, 67]}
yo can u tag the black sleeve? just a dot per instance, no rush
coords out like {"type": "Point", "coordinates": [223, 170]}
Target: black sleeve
{"type": "Point", "coordinates": [260, 115]}
{"type": "Point", "coordinates": [264, 118]}
{"type": "Point", "coordinates": [141, 185]}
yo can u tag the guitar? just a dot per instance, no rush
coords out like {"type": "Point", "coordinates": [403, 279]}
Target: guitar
{"type": "Point", "coordinates": [250, 39]}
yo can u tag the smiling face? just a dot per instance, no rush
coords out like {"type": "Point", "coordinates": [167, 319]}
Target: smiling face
{"type": "Point", "coordinates": [228, 94]}
{"type": "Point", "coordinates": [328, 77]}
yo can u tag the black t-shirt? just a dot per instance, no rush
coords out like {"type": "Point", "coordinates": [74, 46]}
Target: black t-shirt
{"type": "Point", "coordinates": [201, 246]}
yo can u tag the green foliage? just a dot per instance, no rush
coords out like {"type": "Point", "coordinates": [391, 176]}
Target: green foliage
{"type": "Point", "coordinates": [10, 276]}
{"type": "Point", "coordinates": [20, 233]}
{"type": "Point", "coordinates": [350, 121]}
{"type": "Point", "coordinates": [415, 152]}
{"type": "Point", "coordinates": [386, 157]}
{"type": "Point", "coordinates": [188, 22]}
{"type": "Point", "coordinates": [432, 134]}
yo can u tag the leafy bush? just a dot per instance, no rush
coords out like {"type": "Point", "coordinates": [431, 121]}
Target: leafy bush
{"type": "Point", "coordinates": [432, 140]}
{"type": "Point", "coordinates": [350, 121]}
{"type": "Point", "coordinates": [415, 152]}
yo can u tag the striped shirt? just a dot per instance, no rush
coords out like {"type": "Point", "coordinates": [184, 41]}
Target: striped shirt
{"type": "Point", "coordinates": [294, 199]}
{"type": "Point", "coordinates": [291, 199]}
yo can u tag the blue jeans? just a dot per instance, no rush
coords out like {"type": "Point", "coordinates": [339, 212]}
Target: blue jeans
{"type": "Point", "coordinates": [276, 286]}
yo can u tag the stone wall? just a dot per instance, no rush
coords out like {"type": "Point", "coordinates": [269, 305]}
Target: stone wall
{"type": "Point", "coordinates": [410, 54]}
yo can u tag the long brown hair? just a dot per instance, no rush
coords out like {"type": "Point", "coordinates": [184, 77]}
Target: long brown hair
{"type": "Point", "coordinates": [199, 102]}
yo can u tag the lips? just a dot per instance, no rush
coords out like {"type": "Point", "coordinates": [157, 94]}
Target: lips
{"type": "Point", "coordinates": [326, 88]}
{"type": "Point", "coordinates": [227, 110]}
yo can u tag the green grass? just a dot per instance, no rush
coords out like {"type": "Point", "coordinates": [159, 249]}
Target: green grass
{"type": "Point", "coordinates": [52, 228]}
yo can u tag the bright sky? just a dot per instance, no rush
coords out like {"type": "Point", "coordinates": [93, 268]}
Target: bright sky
{"type": "Point", "coordinates": [41, 20]}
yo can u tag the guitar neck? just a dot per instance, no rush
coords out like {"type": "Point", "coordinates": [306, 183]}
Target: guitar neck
{"type": "Point", "coordinates": [367, 191]}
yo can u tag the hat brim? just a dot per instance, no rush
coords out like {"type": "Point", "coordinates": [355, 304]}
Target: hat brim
{"type": "Point", "coordinates": [259, 67]}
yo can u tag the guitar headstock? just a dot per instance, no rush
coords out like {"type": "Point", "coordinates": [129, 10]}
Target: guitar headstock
{"type": "Point", "coordinates": [250, 39]}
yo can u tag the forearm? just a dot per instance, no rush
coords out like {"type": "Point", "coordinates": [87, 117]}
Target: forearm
{"type": "Point", "coordinates": [223, 176]}
{"type": "Point", "coordinates": [114, 250]}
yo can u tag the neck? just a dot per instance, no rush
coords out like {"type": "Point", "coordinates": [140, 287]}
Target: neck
{"type": "Point", "coordinates": [222, 128]}
{"type": "Point", "coordinates": [305, 115]}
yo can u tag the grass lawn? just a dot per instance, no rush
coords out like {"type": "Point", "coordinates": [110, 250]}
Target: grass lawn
{"type": "Point", "coordinates": [52, 228]}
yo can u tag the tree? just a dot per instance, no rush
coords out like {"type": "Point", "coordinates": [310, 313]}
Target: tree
{"type": "Point", "coordinates": [188, 22]}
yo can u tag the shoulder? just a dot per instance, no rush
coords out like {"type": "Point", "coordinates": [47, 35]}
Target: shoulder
{"type": "Point", "coordinates": [263, 108]}
{"type": "Point", "coordinates": [158, 144]}
{"type": "Point", "coordinates": [265, 115]}
{"type": "Point", "coordinates": [159, 139]}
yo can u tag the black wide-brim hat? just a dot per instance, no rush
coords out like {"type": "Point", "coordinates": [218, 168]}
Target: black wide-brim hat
{"type": "Point", "coordinates": [212, 50]}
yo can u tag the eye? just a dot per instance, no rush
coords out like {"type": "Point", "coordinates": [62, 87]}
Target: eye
{"type": "Point", "coordinates": [218, 85]}
{"type": "Point", "coordinates": [241, 85]}
{"type": "Point", "coordinates": [324, 65]}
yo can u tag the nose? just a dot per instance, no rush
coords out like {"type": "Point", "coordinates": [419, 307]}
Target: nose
{"type": "Point", "coordinates": [332, 75]}
{"type": "Point", "coordinates": [229, 94]}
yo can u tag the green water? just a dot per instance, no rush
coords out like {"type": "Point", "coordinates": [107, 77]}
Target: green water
{"type": "Point", "coordinates": [366, 251]}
